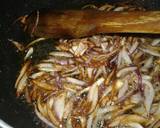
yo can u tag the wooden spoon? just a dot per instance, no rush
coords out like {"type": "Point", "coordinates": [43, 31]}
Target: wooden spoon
{"type": "Point", "coordinates": [81, 23]}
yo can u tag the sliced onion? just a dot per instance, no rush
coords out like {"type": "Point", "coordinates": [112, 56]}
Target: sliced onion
{"type": "Point", "coordinates": [96, 40]}
{"type": "Point", "coordinates": [61, 61]}
{"type": "Point", "coordinates": [45, 65]}
{"type": "Point", "coordinates": [119, 83]}
{"type": "Point", "coordinates": [148, 63]}
{"type": "Point", "coordinates": [49, 67]}
{"type": "Point", "coordinates": [84, 90]}
{"type": "Point", "coordinates": [61, 54]}
{"type": "Point", "coordinates": [149, 95]}
{"type": "Point", "coordinates": [41, 108]}
{"type": "Point", "coordinates": [135, 125]}
{"type": "Point", "coordinates": [153, 124]}
{"type": "Point", "coordinates": [50, 102]}
{"type": "Point", "coordinates": [146, 77]}
{"type": "Point", "coordinates": [136, 98]}
{"type": "Point", "coordinates": [102, 111]}
{"type": "Point", "coordinates": [133, 47]}
{"type": "Point", "coordinates": [83, 121]}
{"type": "Point", "coordinates": [93, 93]}
{"type": "Point", "coordinates": [157, 112]}
{"type": "Point", "coordinates": [72, 87]}
{"type": "Point", "coordinates": [106, 7]}
{"type": "Point", "coordinates": [140, 110]}
{"type": "Point", "coordinates": [118, 9]}
{"type": "Point", "coordinates": [69, 123]}
{"type": "Point", "coordinates": [98, 119]}
{"type": "Point", "coordinates": [36, 75]}
{"type": "Point", "coordinates": [98, 82]}
{"type": "Point", "coordinates": [151, 52]}
{"type": "Point", "coordinates": [90, 6]}
{"type": "Point", "coordinates": [125, 71]}
{"type": "Point", "coordinates": [157, 125]}
{"type": "Point", "coordinates": [114, 124]}
{"type": "Point", "coordinates": [106, 91]}
{"type": "Point", "coordinates": [110, 76]}
{"type": "Point", "coordinates": [155, 42]}
{"type": "Point", "coordinates": [38, 40]}
{"type": "Point", "coordinates": [154, 108]}
{"type": "Point", "coordinates": [70, 70]}
{"type": "Point", "coordinates": [76, 81]}
{"type": "Point", "coordinates": [22, 72]}
{"type": "Point", "coordinates": [45, 69]}
{"type": "Point", "coordinates": [90, 72]}
{"type": "Point", "coordinates": [79, 50]}
{"type": "Point", "coordinates": [52, 117]}
{"type": "Point", "coordinates": [133, 118]}
{"type": "Point", "coordinates": [50, 60]}
{"type": "Point", "coordinates": [127, 95]}
{"type": "Point", "coordinates": [93, 96]}
{"type": "Point", "coordinates": [126, 57]}
{"type": "Point", "coordinates": [139, 77]}
{"type": "Point", "coordinates": [90, 121]}
{"type": "Point", "coordinates": [19, 46]}
{"type": "Point", "coordinates": [98, 73]}
{"type": "Point", "coordinates": [123, 89]}
{"type": "Point", "coordinates": [68, 109]}
{"type": "Point", "coordinates": [22, 84]}
{"type": "Point", "coordinates": [45, 120]}
{"type": "Point", "coordinates": [71, 73]}
{"type": "Point", "coordinates": [104, 47]}
{"type": "Point", "coordinates": [119, 60]}
{"type": "Point", "coordinates": [29, 53]}
{"type": "Point", "coordinates": [43, 85]}
{"type": "Point", "coordinates": [59, 105]}
{"type": "Point", "coordinates": [104, 70]}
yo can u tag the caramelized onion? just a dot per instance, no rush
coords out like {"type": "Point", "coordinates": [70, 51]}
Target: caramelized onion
{"type": "Point", "coordinates": [94, 82]}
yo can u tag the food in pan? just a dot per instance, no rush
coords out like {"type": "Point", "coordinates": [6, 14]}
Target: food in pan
{"type": "Point", "coordinates": [101, 81]}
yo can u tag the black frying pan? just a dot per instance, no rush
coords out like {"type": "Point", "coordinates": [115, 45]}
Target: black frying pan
{"type": "Point", "coordinates": [12, 110]}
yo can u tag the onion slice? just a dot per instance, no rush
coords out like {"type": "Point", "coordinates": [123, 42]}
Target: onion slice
{"type": "Point", "coordinates": [93, 97]}
{"type": "Point", "coordinates": [43, 85]}
{"type": "Point", "coordinates": [126, 57]}
{"type": "Point", "coordinates": [149, 95]}
{"type": "Point", "coordinates": [61, 54]}
{"type": "Point", "coordinates": [125, 71]}
{"type": "Point", "coordinates": [18, 45]}
{"type": "Point", "coordinates": [29, 53]}
{"type": "Point", "coordinates": [90, 121]}
{"type": "Point", "coordinates": [123, 89]}
{"type": "Point", "coordinates": [22, 72]}
{"type": "Point", "coordinates": [155, 42]}
{"type": "Point", "coordinates": [45, 120]}
{"type": "Point", "coordinates": [133, 48]}
{"type": "Point", "coordinates": [76, 81]}
{"type": "Point", "coordinates": [59, 105]}
{"type": "Point", "coordinates": [135, 125]}
{"type": "Point", "coordinates": [38, 40]}
{"type": "Point", "coordinates": [93, 93]}
{"type": "Point", "coordinates": [22, 84]}
{"type": "Point", "coordinates": [151, 52]}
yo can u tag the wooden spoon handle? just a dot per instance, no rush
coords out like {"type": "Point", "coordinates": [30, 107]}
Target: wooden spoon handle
{"type": "Point", "coordinates": [80, 23]}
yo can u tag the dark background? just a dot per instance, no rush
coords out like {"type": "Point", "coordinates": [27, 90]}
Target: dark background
{"type": "Point", "coordinates": [12, 110]}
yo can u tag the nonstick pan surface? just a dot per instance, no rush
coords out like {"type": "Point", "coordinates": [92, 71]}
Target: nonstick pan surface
{"type": "Point", "coordinates": [12, 110]}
